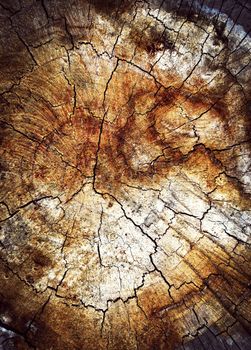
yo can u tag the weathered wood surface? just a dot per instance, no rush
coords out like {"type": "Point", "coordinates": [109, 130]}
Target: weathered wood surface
{"type": "Point", "coordinates": [125, 175]}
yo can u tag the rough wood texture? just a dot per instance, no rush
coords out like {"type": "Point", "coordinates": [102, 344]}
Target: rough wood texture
{"type": "Point", "coordinates": [125, 175]}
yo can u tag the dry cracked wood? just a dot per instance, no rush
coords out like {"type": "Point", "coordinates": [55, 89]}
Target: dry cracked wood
{"type": "Point", "coordinates": [125, 175]}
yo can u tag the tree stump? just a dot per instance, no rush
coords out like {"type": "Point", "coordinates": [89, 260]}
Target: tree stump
{"type": "Point", "coordinates": [125, 175]}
